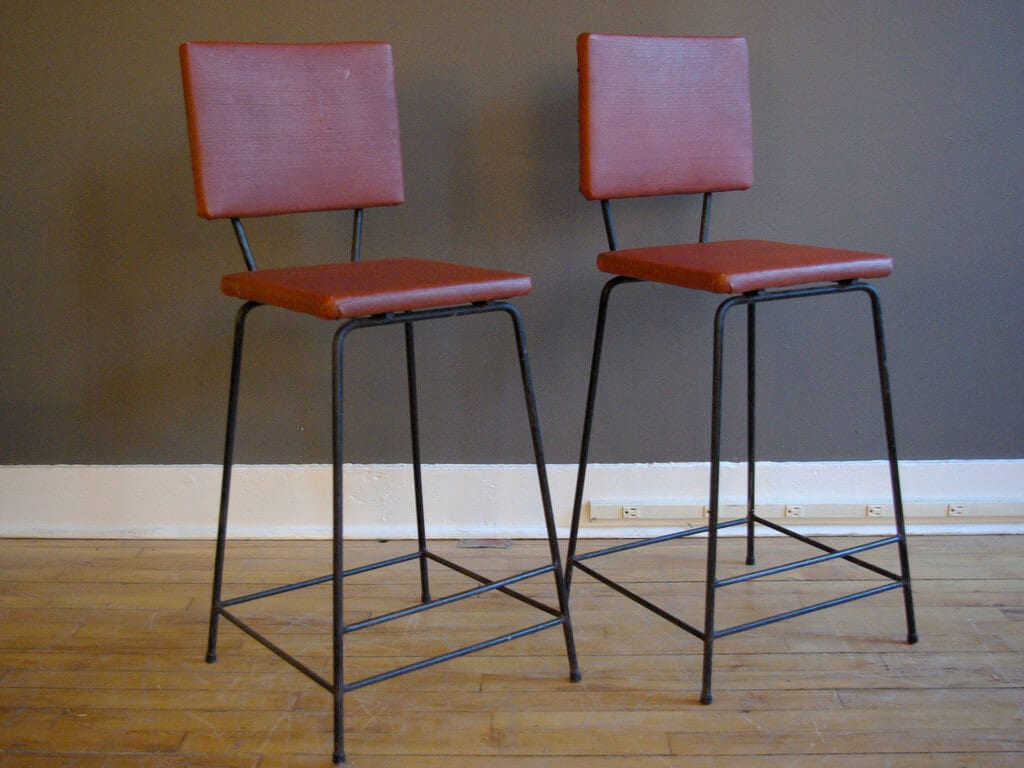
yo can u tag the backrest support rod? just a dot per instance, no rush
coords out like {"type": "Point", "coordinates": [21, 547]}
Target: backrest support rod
{"type": "Point", "coordinates": [243, 243]}
{"type": "Point", "coordinates": [609, 225]}
{"type": "Point", "coordinates": [705, 217]}
{"type": "Point", "coordinates": [357, 233]}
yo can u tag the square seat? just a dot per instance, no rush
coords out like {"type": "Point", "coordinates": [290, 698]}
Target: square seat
{"type": "Point", "coordinates": [740, 266]}
{"type": "Point", "coordinates": [381, 286]}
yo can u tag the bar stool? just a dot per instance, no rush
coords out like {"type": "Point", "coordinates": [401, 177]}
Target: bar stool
{"type": "Point", "coordinates": [290, 128]}
{"type": "Point", "coordinates": [671, 116]}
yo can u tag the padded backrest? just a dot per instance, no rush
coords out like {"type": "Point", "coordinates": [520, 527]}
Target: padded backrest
{"type": "Point", "coordinates": [662, 115]}
{"type": "Point", "coordinates": [282, 128]}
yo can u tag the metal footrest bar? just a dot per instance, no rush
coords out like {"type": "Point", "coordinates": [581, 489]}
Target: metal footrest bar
{"type": "Point", "coordinates": [832, 555]}
{"type": "Point", "coordinates": [276, 591]}
{"type": "Point", "coordinates": [653, 540]}
{"type": "Point", "coordinates": [642, 601]}
{"type": "Point", "coordinates": [450, 655]}
{"type": "Point", "coordinates": [808, 609]}
{"type": "Point", "coordinates": [276, 649]}
{"type": "Point", "coordinates": [503, 589]}
{"type": "Point", "coordinates": [825, 547]}
{"type": "Point", "coordinates": [318, 580]}
{"type": "Point", "coordinates": [398, 560]}
{"type": "Point", "coordinates": [489, 587]}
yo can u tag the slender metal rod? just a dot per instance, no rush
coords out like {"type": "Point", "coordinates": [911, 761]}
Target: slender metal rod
{"type": "Point", "coordinates": [545, 490]}
{"type": "Point", "coordinates": [713, 493]}
{"type": "Point", "coordinates": [225, 482]}
{"type": "Point", "coordinates": [588, 421]}
{"type": "Point", "coordinates": [835, 555]}
{"type": "Point", "coordinates": [417, 467]}
{"type": "Point", "coordinates": [806, 609]}
{"type": "Point", "coordinates": [504, 590]}
{"type": "Point", "coordinates": [281, 590]}
{"type": "Point", "coordinates": [447, 600]}
{"type": "Point", "coordinates": [380, 564]}
{"type": "Point", "coordinates": [609, 225]}
{"type": "Point", "coordinates": [357, 234]}
{"type": "Point", "coordinates": [337, 619]}
{"type": "Point", "coordinates": [278, 650]}
{"type": "Point", "coordinates": [243, 244]}
{"type": "Point", "coordinates": [452, 655]}
{"type": "Point", "coordinates": [637, 543]}
{"type": "Point", "coordinates": [642, 601]}
{"type": "Point", "coordinates": [894, 471]}
{"type": "Point", "coordinates": [318, 580]}
{"type": "Point", "coordinates": [751, 426]}
{"type": "Point", "coordinates": [705, 217]}
{"type": "Point", "coordinates": [416, 315]}
{"type": "Point", "coordinates": [826, 548]}
{"type": "Point", "coordinates": [799, 293]}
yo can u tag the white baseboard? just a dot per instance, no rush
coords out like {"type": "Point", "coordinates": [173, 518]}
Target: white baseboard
{"type": "Point", "coordinates": [478, 501]}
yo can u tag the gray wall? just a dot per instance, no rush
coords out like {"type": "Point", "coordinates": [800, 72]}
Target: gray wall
{"type": "Point", "coordinates": [884, 126]}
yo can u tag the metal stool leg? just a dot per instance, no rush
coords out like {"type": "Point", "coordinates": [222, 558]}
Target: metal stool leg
{"type": "Point", "coordinates": [417, 468]}
{"type": "Point", "coordinates": [709, 591]}
{"type": "Point", "coordinates": [338, 561]}
{"type": "Point", "coordinates": [225, 483]}
{"type": "Point", "coordinates": [751, 411]}
{"type": "Point", "coordinates": [711, 583]}
{"type": "Point", "coordinates": [588, 420]}
{"type": "Point", "coordinates": [894, 473]}
{"type": "Point", "coordinates": [545, 492]}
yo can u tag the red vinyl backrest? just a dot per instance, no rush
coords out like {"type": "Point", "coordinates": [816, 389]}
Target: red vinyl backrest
{"type": "Point", "coordinates": [283, 128]}
{"type": "Point", "coordinates": [662, 115]}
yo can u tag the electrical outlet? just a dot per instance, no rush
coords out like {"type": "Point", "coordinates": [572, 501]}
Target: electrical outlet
{"type": "Point", "coordinates": [956, 510]}
{"type": "Point", "coordinates": [875, 510]}
{"type": "Point", "coordinates": [634, 512]}
{"type": "Point", "coordinates": [794, 510]}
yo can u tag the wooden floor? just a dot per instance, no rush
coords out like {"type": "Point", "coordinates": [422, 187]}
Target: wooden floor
{"type": "Point", "coordinates": [102, 645]}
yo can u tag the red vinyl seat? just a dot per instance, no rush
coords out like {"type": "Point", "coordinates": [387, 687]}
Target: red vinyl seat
{"type": "Point", "coordinates": [671, 116]}
{"type": "Point", "coordinates": [294, 128]}
{"type": "Point", "coordinates": [362, 288]}
{"type": "Point", "coordinates": [739, 266]}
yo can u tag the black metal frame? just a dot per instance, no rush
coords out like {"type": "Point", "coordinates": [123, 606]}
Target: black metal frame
{"type": "Point", "coordinates": [709, 633]}
{"type": "Point", "coordinates": [338, 687]}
